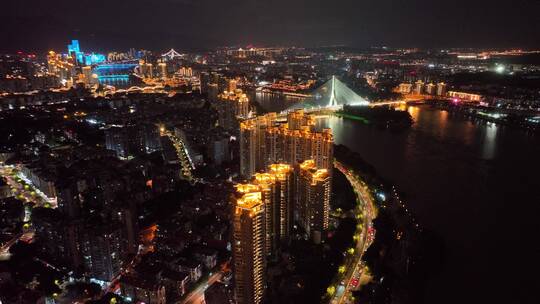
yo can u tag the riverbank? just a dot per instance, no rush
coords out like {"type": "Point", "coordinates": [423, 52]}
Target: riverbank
{"type": "Point", "coordinates": [403, 254]}
{"type": "Point", "coordinates": [527, 120]}
{"type": "Point", "coordinates": [381, 117]}
{"type": "Point", "coordinates": [303, 270]}
{"type": "Point", "coordinates": [473, 184]}
{"type": "Point", "coordinates": [347, 279]}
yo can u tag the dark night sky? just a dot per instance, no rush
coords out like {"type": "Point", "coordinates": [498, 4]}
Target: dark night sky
{"type": "Point", "coordinates": [187, 24]}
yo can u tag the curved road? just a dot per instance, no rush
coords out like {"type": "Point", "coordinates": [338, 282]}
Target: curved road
{"type": "Point", "coordinates": [355, 265]}
{"type": "Point", "coordinates": [26, 196]}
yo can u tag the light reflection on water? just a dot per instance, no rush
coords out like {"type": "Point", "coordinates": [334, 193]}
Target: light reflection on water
{"type": "Point", "coordinates": [474, 184]}
{"type": "Point", "coordinates": [464, 180]}
{"type": "Point", "coordinates": [274, 102]}
{"type": "Point", "coordinates": [490, 141]}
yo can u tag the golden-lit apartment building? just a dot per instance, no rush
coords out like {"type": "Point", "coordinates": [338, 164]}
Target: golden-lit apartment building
{"type": "Point", "coordinates": [312, 208]}
{"type": "Point", "coordinates": [249, 252]}
{"type": "Point", "coordinates": [163, 70]}
{"type": "Point", "coordinates": [262, 219]}
{"type": "Point", "coordinates": [278, 195]}
{"type": "Point", "coordinates": [63, 68]}
{"type": "Point", "coordinates": [441, 89]}
{"type": "Point", "coordinates": [253, 143]}
{"type": "Point", "coordinates": [404, 88]}
{"type": "Point", "coordinates": [231, 106]}
{"type": "Point", "coordinates": [185, 72]}
{"type": "Point", "coordinates": [264, 211]}
{"type": "Point", "coordinates": [266, 139]}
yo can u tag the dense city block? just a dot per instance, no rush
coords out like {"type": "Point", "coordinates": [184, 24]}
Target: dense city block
{"type": "Point", "coordinates": [143, 176]}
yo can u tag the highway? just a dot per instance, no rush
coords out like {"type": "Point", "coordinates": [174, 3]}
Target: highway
{"type": "Point", "coordinates": [366, 210]}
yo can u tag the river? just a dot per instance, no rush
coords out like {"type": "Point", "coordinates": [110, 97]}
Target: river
{"type": "Point", "coordinates": [475, 184]}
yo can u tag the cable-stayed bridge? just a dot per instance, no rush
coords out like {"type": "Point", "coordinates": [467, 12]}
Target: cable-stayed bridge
{"type": "Point", "coordinates": [333, 94]}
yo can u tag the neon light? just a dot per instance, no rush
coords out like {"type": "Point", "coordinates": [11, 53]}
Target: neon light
{"type": "Point", "coordinates": [88, 59]}
{"type": "Point", "coordinates": [116, 66]}
{"type": "Point", "coordinates": [94, 58]}
{"type": "Point", "coordinates": [75, 48]}
{"type": "Point", "coordinates": [113, 77]}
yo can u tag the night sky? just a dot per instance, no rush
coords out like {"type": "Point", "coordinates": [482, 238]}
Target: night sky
{"type": "Point", "coordinates": [36, 25]}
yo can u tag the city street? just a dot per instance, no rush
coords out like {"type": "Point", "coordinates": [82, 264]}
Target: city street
{"type": "Point", "coordinates": [355, 267]}
{"type": "Point", "coordinates": [26, 194]}
{"type": "Point", "coordinates": [23, 190]}
{"type": "Point", "coordinates": [183, 156]}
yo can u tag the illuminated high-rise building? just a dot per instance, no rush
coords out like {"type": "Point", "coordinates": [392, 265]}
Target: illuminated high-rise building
{"type": "Point", "coordinates": [248, 149]}
{"type": "Point", "coordinates": [253, 143]}
{"type": "Point", "coordinates": [232, 85]}
{"type": "Point", "coordinates": [150, 70]}
{"type": "Point", "coordinates": [264, 140]}
{"type": "Point", "coordinates": [74, 46]}
{"type": "Point", "coordinates": [249, 252]}
{"type": "Point", "coordinates": [163, 69]}
{"type": "Point", "coordinates": [94, 58]}
{"type": "Point", "coordinates": [431, 89]}
{"type": "Point", "coordinates": [185, 72]}
{"type": "Point", "coordinates": [141, 69]}
{"type": "Point", "coordinates": [52, 65]}
{"type": "Point", "coordinates": [441, 89]}
{"type": "Point", "coordinates": [284, 196]}
{"type": "Point", "coordinates": [419, 87]}
{"type": "Point", "coordinates": [297, 120]}
{"type": "Point", "coordinates": [88, 77]}
{"type": "Point", "coordinates": [265, 183]}
{"type": "Point", "coordinates": [312, 208]}
{"type": "Point", "coordinates": [87, 73]}
{"type": "Point", "coordinates": [277, 193]}
{"type": "Point", "coordinates": [74, 50]}
{"type": "Point", "coordinates": [146, 69]}
{"type": "Point", "coordinates": [262, 220]}
{"type": "Point", "coordinates": [231, 106]}
{"type": "Point", "coordinates": [321, 147]}
{"type": "Point", "coordinates": [405, 88]}
{"type": "Point", "coordinates": [61, 67]}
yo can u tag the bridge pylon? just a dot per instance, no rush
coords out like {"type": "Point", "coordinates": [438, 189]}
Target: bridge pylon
{"type": "Point", "coordinates": [333, 100]}
{"type": "Point", "coordinates": [332, 94]}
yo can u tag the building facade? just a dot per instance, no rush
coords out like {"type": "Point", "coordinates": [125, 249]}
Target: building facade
{"type": "Point", "coordinates": [312, 210]}
{"type": "Point", "coordinates": [264, 140]}
{"type": "Point", "coordinates": [277, 193]}
{"type": "Point", "coordinates": [231, 106]}
{"type": "Point", "coordinates": [249, 250]}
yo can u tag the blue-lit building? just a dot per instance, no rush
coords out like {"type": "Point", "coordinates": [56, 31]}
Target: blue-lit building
{"type": "Point", "coordinates": [117, 74]}
{"type": "Point", "coordinates": [74, 48]}
{"type": "Point", "coordinates": [88, 59]}
{"type": "Point", "coordinates": [94, 58]}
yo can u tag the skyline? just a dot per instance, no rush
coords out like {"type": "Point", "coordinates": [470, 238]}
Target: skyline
{"type": "Point", "coordinates": [195, 25]}
{"type": "Point", "coordinates": [284, 151]}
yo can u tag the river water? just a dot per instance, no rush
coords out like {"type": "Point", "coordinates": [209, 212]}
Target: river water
{"type": "Point", "coordinates": [477, 185]}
